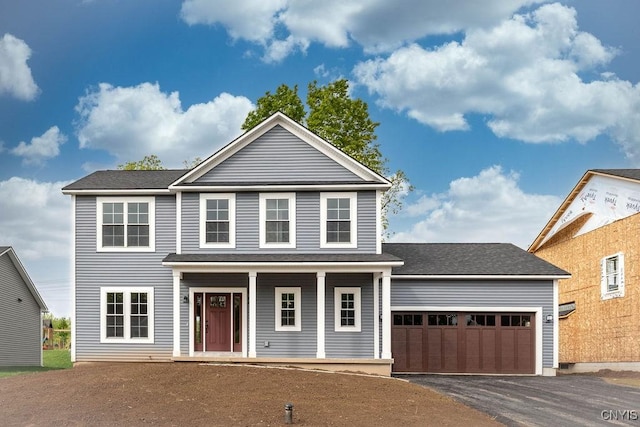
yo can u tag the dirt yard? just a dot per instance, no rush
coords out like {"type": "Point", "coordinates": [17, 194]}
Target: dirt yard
{"type": "Point", "coordinates": [185, 394]}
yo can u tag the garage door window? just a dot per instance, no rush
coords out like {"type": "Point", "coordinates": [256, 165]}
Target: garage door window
{"type": "Point", "coordinates": [407, 319]}
{"type": "Point", "coordinates": [481, 319]}
{"type": "Point", "coordinates": [443, 319]}
{"type": "Point", "coordinates": [516, 320]}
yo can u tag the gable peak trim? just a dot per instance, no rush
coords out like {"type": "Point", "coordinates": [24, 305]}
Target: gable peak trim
{"type": "Point", "coordinates": [296, 129]}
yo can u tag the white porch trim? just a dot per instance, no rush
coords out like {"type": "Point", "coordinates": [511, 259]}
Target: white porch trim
{"type": "Point", "coordinates": [320, 288]}
{"type": "Point", "coordinates": [253, 311]}
{"type": "Point", "coordinates": [386, 314]}
{"type": "Point", "coordinates": [176, 313]}
{"type": "Point", "coordinates": [376, 316]}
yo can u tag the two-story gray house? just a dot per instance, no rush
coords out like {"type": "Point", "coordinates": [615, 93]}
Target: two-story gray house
{"type": "Point", "coordinates": [270, 252]}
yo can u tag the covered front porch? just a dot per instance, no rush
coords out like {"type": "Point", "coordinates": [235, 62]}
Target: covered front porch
{"type": "Point", "coordinates": [327, 312]}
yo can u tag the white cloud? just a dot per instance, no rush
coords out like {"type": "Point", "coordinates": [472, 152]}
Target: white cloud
{"type": "Point", "coordinates": [243, 19]}
{"type": "Point", "coordinates": [42, 147]}
{"type": "Point", "coordinates": [15, 75]}
{"type": "Point", "coordinates": [489, 207]}
{"type": "Point", "coordinates": [284, 26]}
{"type": "Point", "coordinates": [524, 75]}
{"type": "Point", "coordinates": [35, 220]}
{"type": "Point", "coordinates": [132, 122]}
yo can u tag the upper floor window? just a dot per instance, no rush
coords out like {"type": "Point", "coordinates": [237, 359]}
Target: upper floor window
{"type": "Point", "coordinates": [217, 220]}
{"type": "Point", "coordinates": [278, 220]}
{"type": "Point", "coordinates": [125, 224]}
{"type": "Point", "coordinates": [347, 309]}
{"type": "Point", "coordinates": [612, 276]}
{"type": "Point", "coordinates": [288, 311]}
{"type": "Point", "coordinates": [338, 220]}
{"type": "Point", "coordinates": [126, 315]}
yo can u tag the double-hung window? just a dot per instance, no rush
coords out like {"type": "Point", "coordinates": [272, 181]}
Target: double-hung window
{"type": "Point", "coordinates": [217, 220]}
{"type": "Point", "coordinates": [126, 315]}
{"type": "Point", "coordinates": [347, 309]}
{"type": "Point", "coordinates": [612, 276]}
{"type": "Point", "coordinates": [278, 220]}
{"type": "Point", "coordinates": [288, 312]}
{"type": "Point", "coordinates": [125, 224]}
{"type": "Point", "coordinates": [338, 220]}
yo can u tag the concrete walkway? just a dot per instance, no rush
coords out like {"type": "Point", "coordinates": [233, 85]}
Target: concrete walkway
{"type": "Point", "coordinates": [569, 400]}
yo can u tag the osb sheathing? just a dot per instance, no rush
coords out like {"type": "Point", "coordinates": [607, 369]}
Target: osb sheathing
{"type": "Point", "coordinates": [599, 330]}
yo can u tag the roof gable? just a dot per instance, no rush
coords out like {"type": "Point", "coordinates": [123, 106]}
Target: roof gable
{"type": "Point", "coordinates": [607, 194]}
{"type": "Point", "coordinates": [288, 152]}
{"type": "Point", "coordinates": [7, 251]}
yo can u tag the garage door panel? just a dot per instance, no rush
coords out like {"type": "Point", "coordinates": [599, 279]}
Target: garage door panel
{"type": "Point", "coordinates": [524, 350]}
{"type": "Point", "coordinates": [507, 350]}
{"type": "Point", "coordinates": [415, 350]}
{"type": "Point", "coordinates": [489, 362]}
{"type": "Point", "coordinates": [473, 350]}
{"type": "Point", "coordinates": [450, 354]}
{"type": "Point", "coordinates": [399, 349]}
{"type": "Point", "coordinates": [434, 350]}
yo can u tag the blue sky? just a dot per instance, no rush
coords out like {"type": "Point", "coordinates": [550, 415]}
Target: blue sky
{"type": "Point", "coordinates": [493, 109]}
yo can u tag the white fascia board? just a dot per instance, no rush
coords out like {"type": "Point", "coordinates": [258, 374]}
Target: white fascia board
{"type": "Point", "coordinates": [477, 277]}
{"type": "Point", "coordinates": [135, 192]}
{"type": "Point", "coordinates": [300, 267]}
{"type": "Point", "coordinates": [282, 187]}
{"type": "Point", "coordinates": [297, 130]}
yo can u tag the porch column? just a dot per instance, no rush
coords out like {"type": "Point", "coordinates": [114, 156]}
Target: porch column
{"type": "Point", "coordinates": [386, 315]}
{"type": "Point", "coordinates": [252, 312]}
{"type": "Point", "coordinates": [176, 313]}
{"type": "Point", "coordinates": [376, 315]}
{"type": "Point", "coordinates": [320, 279]}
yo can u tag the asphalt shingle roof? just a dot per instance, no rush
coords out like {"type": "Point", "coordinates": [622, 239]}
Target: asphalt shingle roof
{"type": "Point", "coordinates": [452, 259]}
{"type": "Point", "coordinates": [127, 180]}
{"type": "Point", "coordinates": [624, 173]}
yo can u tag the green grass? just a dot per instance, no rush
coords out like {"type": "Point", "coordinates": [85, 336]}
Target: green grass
{"type": "Point", "coordinates": [52, 359]}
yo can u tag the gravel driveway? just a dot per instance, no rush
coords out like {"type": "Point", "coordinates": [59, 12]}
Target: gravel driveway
{"type": "Point", "coordinates": [569, 400]}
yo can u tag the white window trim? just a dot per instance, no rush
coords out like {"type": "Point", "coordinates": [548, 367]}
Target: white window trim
{"type": "Point", "coordinates": [296, 291]}
{"type": "Point", "coordinates": [604, 292]}
{"type": "Point", "coordinates": [127, 291]}
{"type": "Point", "coordinates": [152, 224]}
{"type": "Point", "coordinates": [203, 220]}
{"type": "Point", "coordinates": [353, 205]}
{"type": "Point", "coordinates": [337, 305]}
{"type": "Point", "coordinates": [292, 220]}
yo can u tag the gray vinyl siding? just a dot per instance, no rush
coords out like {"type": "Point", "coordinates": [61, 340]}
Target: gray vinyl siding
{"type": "Point", "coordinates": [286, 343]}
{"type": "Point", "coordinates": [208, 280]}
{"type": "Point", "coordinates": [350, 344]}
{"type": "Point", "coordinates": [474, 293]}
{"type": "Point", "coordinates": [122, 269]}
{"type": "Point", "coordinates": [307, 224]}
{"type": "Point", "coordinates": [278, 156]}
{"type": "Point", "coordinates": [21, 330]}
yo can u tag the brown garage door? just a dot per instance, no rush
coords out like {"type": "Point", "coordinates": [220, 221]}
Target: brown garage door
{"type": "Point", "coordinates": [449, 342]}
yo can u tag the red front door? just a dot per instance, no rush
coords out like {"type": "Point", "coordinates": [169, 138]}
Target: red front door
{"type": "Point", "coordinates": [218, 322]}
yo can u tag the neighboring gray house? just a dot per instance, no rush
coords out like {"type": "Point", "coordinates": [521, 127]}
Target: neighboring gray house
{"type": "Point", "coordinates": [21, 309]}
{"type": "Point", "coordinates": [270, 252]}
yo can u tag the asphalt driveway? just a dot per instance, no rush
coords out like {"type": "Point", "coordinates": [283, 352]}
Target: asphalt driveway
{"type": "Point", "coordinates": [570, 400]}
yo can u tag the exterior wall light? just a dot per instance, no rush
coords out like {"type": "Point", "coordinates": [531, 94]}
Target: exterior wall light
{"type": "Point", "coordinates": [185, 299]}
{"type": "Point", "coordinates": [549, 318]}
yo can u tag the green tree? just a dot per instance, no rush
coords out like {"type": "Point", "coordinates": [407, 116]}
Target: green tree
{"type": "Point", "coordinates": [285, 100]}
{"type": "Point", "coordinates": [344, 122]}
{"type": "Point", "coordinates": [148, 163]}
